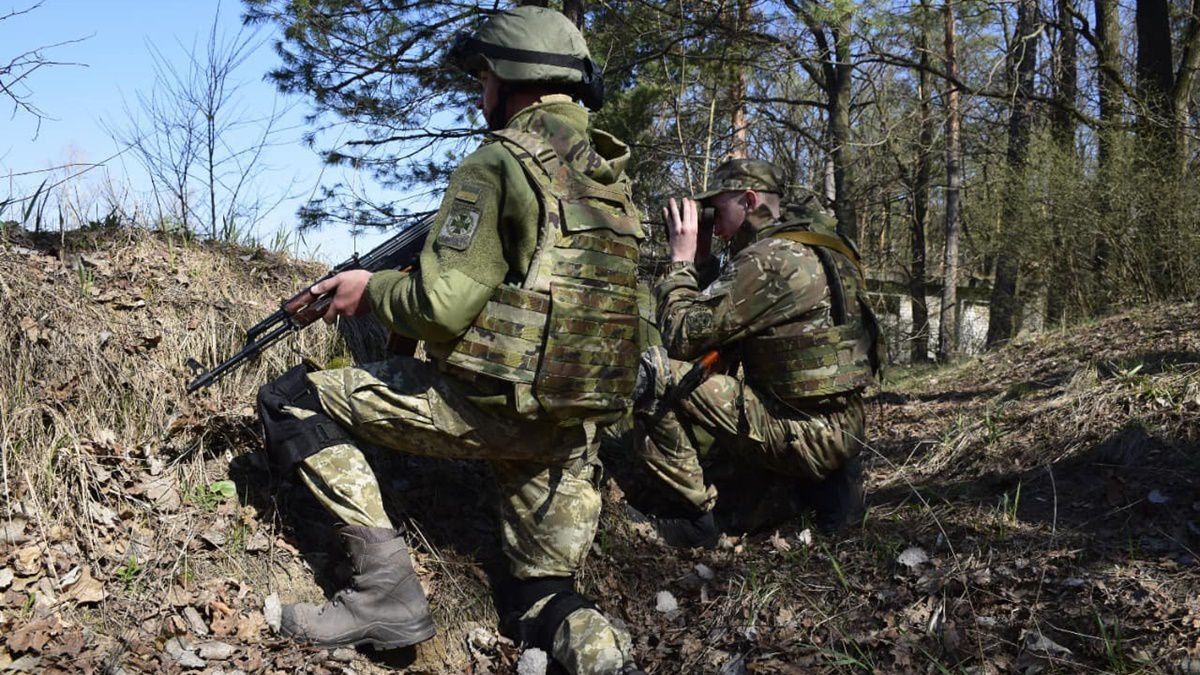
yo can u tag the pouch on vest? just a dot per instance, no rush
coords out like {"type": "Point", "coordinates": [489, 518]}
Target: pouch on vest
{"type": "Point", "coordinates": [568, 332]}
{"type": "Point", "coordinates": [589, 361]}
{"type": "Point", "coordinates": [795, 361]}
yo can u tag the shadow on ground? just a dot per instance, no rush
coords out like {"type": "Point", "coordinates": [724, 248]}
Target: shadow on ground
{"type": "Point", "coordinates": [1134, 489]}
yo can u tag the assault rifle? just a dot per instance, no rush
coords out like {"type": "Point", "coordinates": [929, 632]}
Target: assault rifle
{"type": "Point", "coordinates": [303, 308]}
{"type": "Point", "coordinates": [695, 376]}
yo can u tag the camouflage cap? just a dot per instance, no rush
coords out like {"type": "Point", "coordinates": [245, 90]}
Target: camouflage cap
{"type": "Point", "coordinates": [744, 174]}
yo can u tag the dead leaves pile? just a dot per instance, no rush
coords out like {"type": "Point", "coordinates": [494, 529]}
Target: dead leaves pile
{"type": "Point", "coordinates": [118, 551]}
{"type": "Point", "coordinates": [144, 578]}
{"type": "Point", "coordinates": [38, 581]}
{"type": "Point", "coordinates": [879, 602]}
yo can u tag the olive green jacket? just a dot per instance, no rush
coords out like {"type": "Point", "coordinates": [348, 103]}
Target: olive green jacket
{"type": "Point", "coordinates": [486, 230]}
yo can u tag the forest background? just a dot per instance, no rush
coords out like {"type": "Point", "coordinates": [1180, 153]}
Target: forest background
{"type": "Point", "coordinates": [1041, 150]}
{"type": "Point", "coordinates": [1033, 508]}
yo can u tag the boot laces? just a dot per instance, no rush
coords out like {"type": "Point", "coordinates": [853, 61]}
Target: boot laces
{"type": "Point", "coordinates": [338, 598]}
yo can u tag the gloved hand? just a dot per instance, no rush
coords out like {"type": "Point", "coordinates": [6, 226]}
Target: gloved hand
{"type": "Point", "coordinates": [653, 379]}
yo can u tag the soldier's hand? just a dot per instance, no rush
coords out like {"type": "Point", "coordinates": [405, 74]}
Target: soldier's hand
{"type": "Point", "coordinates": [682, 229]}
{"type": "Point", "coordinates": [349, 294]}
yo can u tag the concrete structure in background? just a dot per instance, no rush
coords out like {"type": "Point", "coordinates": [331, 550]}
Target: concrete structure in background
{"type": "Point", "coordinates": [894, 308]}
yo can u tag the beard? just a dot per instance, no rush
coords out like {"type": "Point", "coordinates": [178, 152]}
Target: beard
{"type": "Point", "coordinates": [496, 120]}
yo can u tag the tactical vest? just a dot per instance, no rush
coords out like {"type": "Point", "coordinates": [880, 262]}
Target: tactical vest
{"type": "Point", "coordinates": [568, 333]}
{"type": "Point", "coordinates": [794, 360]}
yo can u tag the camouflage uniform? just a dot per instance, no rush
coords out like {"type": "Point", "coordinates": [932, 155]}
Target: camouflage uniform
{"type": "Point", "coordinates": [769, 284]}
{"type": "Point", "coordinates": [487, 234]}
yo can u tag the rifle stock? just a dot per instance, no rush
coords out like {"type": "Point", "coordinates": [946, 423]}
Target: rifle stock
{"type": "Point", "coordinates": [693, 378]}
{"type": "Point", "coordinates": [302, 309]}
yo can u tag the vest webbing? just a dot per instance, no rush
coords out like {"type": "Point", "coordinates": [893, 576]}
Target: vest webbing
{"type": "Point", "coordinates": [822, 363]}
{"type": "Point", "coordinates": [792, 362]}
{"type": "Point", "coordinates": [826, 241]}
{"type": "Point", "coordinates": [570, 329]}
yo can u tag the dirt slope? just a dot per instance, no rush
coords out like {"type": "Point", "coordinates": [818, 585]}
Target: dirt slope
{"type": "Point", "coordinates": [1035, 510]}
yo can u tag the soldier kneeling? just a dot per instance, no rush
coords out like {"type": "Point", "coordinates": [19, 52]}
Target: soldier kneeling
{"type": "Point", "coordinates": [789, 309]}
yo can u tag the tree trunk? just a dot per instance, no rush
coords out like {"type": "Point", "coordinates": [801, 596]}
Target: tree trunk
{"type": "Point", "coordinates": [920, 197]}
{"type": "Point", "coordinates": [1108, 38]}
{"type": "Point", "coordinates": [839, 128]}
{"type": "Point", "coordinates": [828, 184]}
{"type": "Point", "coordinates": [1158, 138]}
{"type": "Point", "coordinates": [1004, 303]}
{"type": "Point", "coordinates": [833, 76]}
{"type": "Point", "coordinates": [739, 146]}
{"type": "Point", "coordinates": [1065, 75]}
{"type": "Point", "coordinates": [1108, 35]}
{"type": "Point", "coordinates": [948, 320]}
{"type": "Point", "coordinates": [1155, 80]}
{"type": "Point", "coordinates": [1189, 61]}
{"type": "Point", "coordinates": [210, 176]}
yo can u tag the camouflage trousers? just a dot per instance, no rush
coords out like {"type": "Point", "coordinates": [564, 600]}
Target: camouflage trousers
{"type": "Point", "coordinates": [724, 421]}
{"type": "Point", "coordinates": [547, 477]}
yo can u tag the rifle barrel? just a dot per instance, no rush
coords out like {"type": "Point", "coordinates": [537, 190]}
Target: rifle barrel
{"type": "Point", "coordinates": [294, 314]}
{"type": "Point", "coordinates": [262, 326]}
{"type": "Point", "coordinates": [251, 348]}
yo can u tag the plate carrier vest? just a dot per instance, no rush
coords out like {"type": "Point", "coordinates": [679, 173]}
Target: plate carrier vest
{"type": "Point", "coordinates": [792, 360]}
{"type": "Point", "coordinates": [569, 330]}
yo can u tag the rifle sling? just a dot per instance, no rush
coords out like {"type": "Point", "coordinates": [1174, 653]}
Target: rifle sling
{"type": "Point", "coordinates": [837, 292]}
{"type": "Point", "coordinates": [826, 241]}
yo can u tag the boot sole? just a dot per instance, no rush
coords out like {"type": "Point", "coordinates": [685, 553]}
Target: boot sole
{"type": "Point", "coordinates": [388, 636]}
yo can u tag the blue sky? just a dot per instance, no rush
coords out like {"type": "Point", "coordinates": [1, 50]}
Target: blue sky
{"type": "Point", "coordinates": [114, 38]}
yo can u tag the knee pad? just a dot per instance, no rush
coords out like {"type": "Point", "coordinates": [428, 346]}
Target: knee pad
{"type": "Point", "coordinates": [519, 595]}
{"type": "Point", "coordinates": [287, 438]}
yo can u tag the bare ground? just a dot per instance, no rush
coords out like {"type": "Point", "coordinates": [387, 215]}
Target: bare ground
{"type": "Point", "coordinates": [1035, 510]}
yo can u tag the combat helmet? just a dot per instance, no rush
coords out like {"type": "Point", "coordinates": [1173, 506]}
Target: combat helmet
{"type": "Point", "coordinates": [529, 44]}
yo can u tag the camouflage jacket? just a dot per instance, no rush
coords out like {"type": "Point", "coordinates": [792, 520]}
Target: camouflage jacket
{"type": "Point", "coordinates": [766, 282]}
{"type": "Point", "coordinates": [486, 232]}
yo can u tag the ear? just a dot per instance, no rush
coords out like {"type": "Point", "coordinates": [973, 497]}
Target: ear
{"type": "Point", "coordinates": [752, 199]}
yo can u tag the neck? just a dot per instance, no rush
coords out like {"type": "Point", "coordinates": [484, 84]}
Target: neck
{"type": "Point", "coordinates": [516, 99]}
{"type": "Point", "coordinates": [520, 100]}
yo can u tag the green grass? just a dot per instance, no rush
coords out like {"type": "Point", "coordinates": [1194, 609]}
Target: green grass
{"type": "Point", "coordinates": [129, 573]}
{"type": "Point", "coordinates": [208, 497]}
{"type": "Point", "coordinates": [1114, 646]}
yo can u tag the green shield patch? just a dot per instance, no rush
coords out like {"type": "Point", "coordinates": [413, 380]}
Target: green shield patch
{"type": "Point", "coordinates": [463, 220]}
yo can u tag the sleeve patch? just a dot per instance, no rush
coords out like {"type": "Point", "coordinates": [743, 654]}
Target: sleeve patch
{"type": "Point", "coordinates": [699, 322]}
{"type": "Point", "coordinates": [463, 220]}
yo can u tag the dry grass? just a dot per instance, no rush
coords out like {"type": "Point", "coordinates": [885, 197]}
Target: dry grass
{"type": "Point", "coordinates": [1054, 487]}
{"type": "Point", "coordinates": [111, 471]}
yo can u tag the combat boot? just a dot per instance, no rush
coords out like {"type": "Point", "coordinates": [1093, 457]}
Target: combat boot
{"type": "Point", "coordinates": [837, 502]}
{"type": "Point", "coordinates": [682, 531]}
{"type": "Point", "coordinates": [383, 606]}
